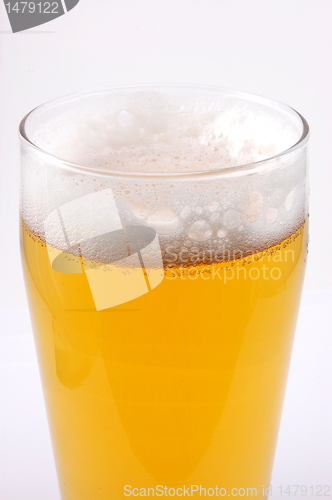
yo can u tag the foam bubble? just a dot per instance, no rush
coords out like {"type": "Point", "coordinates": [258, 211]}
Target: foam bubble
{"type": "Point", "coordinates": [185, 212]}
{"type": "Point", "coordinates": [271, 215]}
{"type": "Point", "coordinates": [215, 218]}
{"type": "Point", "coordinates": [221, 233]}
{"type": "Point", "coordinates": [232, 218]}
{"type": "Point", "coordinates": [139, 209]}
{"type": "Point", "coordinates": [289, 202]}
{"type": "Point", "coordinates": [200, 231]}
{"type": "Point", "coordinates": [213, 206]}
{"type": "Point", "coordinates": [255, 206]}
{"type": "Point", "coordinates": [164, 221]}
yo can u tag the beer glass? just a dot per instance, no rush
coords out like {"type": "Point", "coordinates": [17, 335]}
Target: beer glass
{"type": "Point", "coordinates": [164, 240]}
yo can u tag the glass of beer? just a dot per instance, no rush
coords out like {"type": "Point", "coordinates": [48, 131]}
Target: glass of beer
{"type": "Point", "coordinates": [164, 240]}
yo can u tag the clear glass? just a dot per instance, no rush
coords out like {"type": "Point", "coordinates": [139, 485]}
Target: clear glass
{"type": "Point", "coordinates": [164, 240]}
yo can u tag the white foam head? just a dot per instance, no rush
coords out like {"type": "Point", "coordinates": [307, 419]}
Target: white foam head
{"type": "Point", "coordinates": [151, 131]}
{"type": "Point", "coordinates": [172, 130]}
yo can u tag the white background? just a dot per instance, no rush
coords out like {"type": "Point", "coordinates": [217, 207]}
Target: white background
{"type": "Point", "coordinates": [280, 49]}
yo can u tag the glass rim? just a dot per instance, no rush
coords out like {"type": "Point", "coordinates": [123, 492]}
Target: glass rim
{"type": "Point", "coordinates": [247, 168]}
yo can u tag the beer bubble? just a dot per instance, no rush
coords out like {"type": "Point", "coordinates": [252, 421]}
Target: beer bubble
{"type": "Point", "coordinates": [289, 202]}
{"type": "Point", "coordinates": [200, 231]}
{"type": "Point", "coordinates": [213, 206]}
{"type": "Point", "coordinates": [139, 209]}
{"type": "Point", "coordinates": [232, 219]}
{"type": "Point", "coordinates": [185, 212]}
{"type": "Point", "coordinates": [221, 233]}
{"type": "Point", "coordinates": [271, 215]}
{"type": "Point", "coordinates": [255, 204]}
{"type": "Point", "coordinates": [215, 218]}
{"type": "Point", "coordinates": [164, 221]}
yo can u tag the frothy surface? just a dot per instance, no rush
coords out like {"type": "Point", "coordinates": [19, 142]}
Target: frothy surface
{"type": "Point", "coordinates": [151, 131]}
{"type": "Point", "coordinates": [195, 219]}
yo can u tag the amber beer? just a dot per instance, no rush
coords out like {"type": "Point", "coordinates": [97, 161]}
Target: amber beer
{"type": "Point", "coordinates": [182, 385]}
{"type": "Point", "coordinates": [181, 382]}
